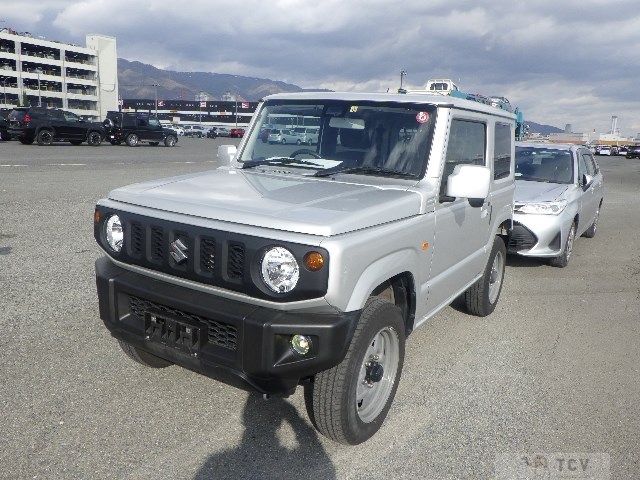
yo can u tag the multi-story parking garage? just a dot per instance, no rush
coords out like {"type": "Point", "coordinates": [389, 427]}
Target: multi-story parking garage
{"type": "Point", "coordinates": [83, 80]}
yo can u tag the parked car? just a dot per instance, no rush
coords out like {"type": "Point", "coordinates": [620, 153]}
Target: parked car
{"type": "Point", "coordinates": [633, 152]}
{"type": "Point", "coordinates": [48, 125]}
{"type": "Point", "coordinates": [277, 135]}
{"type": "Point", "coordinates": [178, 129]}
{"type": "Point", "coordinates": [223, 132]}
{"type": "Point", "coordinates": [622, 151]}
{"type": "Point", "coordinates": [135, 127]}
{"type": "Point", "coordinates": [306, 135]}
{"type": "Point", "coordinates": [604, 150]}
{"type": "Point", "coordinates": [213, 132]}
{"type": "Point", "coordinates": [194, 131]}
{"type": "Point", "coordinates": [236, 132]}
{"type": "Point", "coordinates": [558, 196]}
{"type": "Point", "coordinates": [264, 134]}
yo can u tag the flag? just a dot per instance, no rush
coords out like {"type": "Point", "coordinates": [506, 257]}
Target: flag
{"type": "Point", "coordinates": [161, 103]}
{"type": "Point", "coordinates": [203, 104]}
{"type": "Point", "coordinates": [245, 104]}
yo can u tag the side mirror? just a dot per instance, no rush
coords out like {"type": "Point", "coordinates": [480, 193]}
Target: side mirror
{"type": "Point", "coordinates": [587, 180]}
{"type": "Point", "coordinates": [226, 153]}
{"type": "Point", "coordinates": [469, 181]}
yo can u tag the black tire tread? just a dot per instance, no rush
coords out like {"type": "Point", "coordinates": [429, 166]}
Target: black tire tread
{"type": "Point", "coordinates": [323, 400]}
{"type": "Point", "coordinates": [476, 296]}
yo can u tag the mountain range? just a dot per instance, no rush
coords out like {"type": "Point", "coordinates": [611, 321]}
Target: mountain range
{"type": "Point", "coordinates": [142, 81]}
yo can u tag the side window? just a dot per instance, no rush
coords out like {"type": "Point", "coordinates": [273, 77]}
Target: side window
{"type": "Point", "coordinates": [589, 164]}
{"type": "Point", "coordinates": [502, 151]}
{"type": "Point", "coordinates": [71, 117]}
{"type": "Point", "coordinates": [592, 166]}
{"type": "Point", "coordinates": [466, 146]}
{"type": "Point", "coordinates": [582, 169]}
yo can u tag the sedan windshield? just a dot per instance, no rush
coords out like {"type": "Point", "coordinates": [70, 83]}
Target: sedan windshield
{"type": "Point", "coordinates": [544, 165]}
{"type": "Point", "coordinates": [339, 137]}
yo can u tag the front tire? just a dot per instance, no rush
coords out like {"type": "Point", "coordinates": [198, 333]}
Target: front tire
{"type": "Point", "coordinates": [562, 260]}
{"type": "Point", "coordinates": [482, 297]}
{"type": "Point", "coordinates": [132, 140]}
{"type": "Point", "coordinates": [170, 141]}
{"type": "Point", "coordinates": [94, 139]}
{"type": "Point", "coordinates": [349, 402]}
{"type": "Point", "coordinates": [45, 137]}
{"type": "Point", "coordinates": [142, 357]}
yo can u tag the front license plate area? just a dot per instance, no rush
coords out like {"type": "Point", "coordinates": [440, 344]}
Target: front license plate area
{"type": "Point", "coordinates": [179, 334]}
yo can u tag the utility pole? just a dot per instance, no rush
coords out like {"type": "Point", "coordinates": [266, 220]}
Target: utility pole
{"type": "Point", "coordinates": [236, 109]}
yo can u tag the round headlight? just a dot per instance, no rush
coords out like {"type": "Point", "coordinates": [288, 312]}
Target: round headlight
{"type": "Point", "coordinates": [280, 270]}
{"type": "Point", "coordinates": [113, 233]}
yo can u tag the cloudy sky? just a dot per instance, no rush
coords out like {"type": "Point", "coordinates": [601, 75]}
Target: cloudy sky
{"type": "Point", "coordinates": [561, 61]}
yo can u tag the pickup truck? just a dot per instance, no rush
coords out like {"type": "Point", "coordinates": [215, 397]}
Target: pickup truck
{"type": "Point", "coordinates": [290, 266]}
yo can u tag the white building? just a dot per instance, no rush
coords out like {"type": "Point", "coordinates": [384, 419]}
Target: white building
{"type": "Point", "coordinates": [83, 80]}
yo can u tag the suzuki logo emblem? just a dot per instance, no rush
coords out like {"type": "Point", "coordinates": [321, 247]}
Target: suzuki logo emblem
{"type": "Point", "coordinates": [178, 251]}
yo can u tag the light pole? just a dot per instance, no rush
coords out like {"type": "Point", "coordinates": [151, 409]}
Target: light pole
{"type": "Point", "coordinates": [39, 71]}
{"type": "Point", "coordinates": [402, 75]}
{"type": "Point", "coordinates": [155, 86]}
{"type": "Point", "coordinates": [236, 110]}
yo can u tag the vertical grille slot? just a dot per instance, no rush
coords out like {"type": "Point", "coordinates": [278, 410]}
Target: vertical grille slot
{"type": "Point", "coordinates": [156, 247]}
{"type": "Point", "coordinates": [235, 261]}
{"type": "Point", "coordinates": [137, 239]}
{"type": "Point", "coordinates": [207, 255]}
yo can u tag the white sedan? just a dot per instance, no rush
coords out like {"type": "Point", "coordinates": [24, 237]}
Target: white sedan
{"type": "Point", "coordinates": [558, 196]}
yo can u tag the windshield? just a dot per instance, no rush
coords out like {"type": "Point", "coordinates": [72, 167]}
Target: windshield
{"type": "Point", "coordinates": [332, 136]}
{"type": "Point", "coordinates": [544, 165]}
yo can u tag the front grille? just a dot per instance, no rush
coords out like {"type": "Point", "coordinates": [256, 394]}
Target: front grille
{"type": "Point", "coordinates": [218, 333]}
{"type": "Point", "coordinates": [212, 257]}
{"type": "Point", "coordinates": [149, 245]}
{"type": "Point", "coordinates": [521, 238]}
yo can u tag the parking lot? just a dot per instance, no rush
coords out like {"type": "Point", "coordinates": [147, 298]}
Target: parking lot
{"type": "Point", "coordinates": [554, 371]}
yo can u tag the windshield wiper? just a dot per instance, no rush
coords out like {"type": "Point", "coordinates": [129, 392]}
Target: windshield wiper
{"type": "Point", "coordinates": [278, 161]}
{"type": "Point", "coordinates": [365, 170]}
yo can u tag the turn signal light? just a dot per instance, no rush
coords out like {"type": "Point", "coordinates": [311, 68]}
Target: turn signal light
{"type": "Point", "coordinates": [314, 261]}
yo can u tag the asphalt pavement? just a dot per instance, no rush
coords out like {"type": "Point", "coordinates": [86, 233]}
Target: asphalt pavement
{"type": "Point", "coordinates": [552, 375]}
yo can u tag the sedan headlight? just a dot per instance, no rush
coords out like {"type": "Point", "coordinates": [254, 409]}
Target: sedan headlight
{"type": "Point", "coordinates": [280, 270]}
{"type": "Point", "coordinates": [113, 233]}
{"type": "Point", "coordinates": [541, 208]}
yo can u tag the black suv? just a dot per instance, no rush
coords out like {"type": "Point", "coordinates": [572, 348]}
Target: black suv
{"type": "Point", "coordinates": [48, 125]}
{"type": "Point", "coordinates": [135, 127]}
{"type": "Point", "coordinates": [633, 152]}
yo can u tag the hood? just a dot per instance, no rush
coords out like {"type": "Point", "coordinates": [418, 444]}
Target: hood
{"type": "Point", "coordinates": [528, 191]}
{"type": "Point", "coordinates": [291, 203]}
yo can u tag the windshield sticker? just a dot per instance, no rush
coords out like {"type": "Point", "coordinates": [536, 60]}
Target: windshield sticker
{"type": "Point", "coordinates": [353, 109]}
{"type": "Point", "coordinates": [422, 117]}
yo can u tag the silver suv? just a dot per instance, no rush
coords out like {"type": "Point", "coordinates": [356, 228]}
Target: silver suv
{"type": "Point", "coordinates": [310, 266]}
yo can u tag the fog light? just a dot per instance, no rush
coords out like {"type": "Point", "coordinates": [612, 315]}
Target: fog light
{"type": "Point", "coordinates": [301, 344]}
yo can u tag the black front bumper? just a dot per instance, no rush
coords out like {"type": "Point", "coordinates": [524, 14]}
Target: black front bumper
{"type": "Point", "coordinates": [240, 344]}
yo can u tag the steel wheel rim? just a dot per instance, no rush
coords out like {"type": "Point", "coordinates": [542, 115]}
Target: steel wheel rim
{"type": "Point", "coordinates": [371, 398]}
{"type": "Point", "coordinates": [495, 277]}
